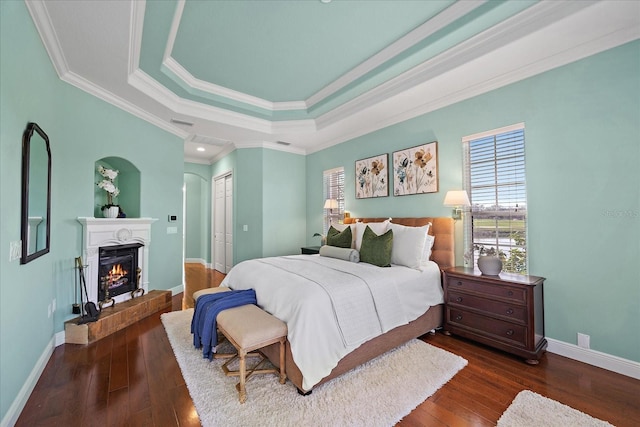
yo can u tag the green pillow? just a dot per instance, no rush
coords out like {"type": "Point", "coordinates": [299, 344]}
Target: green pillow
{"type": "Point", "coordinates": [341, 239]}
{"type": "Point", "coordinates": [376, 249]}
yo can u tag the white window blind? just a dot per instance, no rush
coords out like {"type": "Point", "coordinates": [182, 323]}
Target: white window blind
{"type": "Point", "coordinates": [333, 183]}
{"type": "Point", "coordinates": [494, 167]}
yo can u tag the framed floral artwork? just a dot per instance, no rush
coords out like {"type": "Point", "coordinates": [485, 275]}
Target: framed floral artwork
{"type": "Point", "coordinates": [415, 170]}
{"type": "Point", "coordinates": [372, 177]}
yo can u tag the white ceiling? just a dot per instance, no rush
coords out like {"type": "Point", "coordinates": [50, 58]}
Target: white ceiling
{"type": "Point", "coordinates": [227, 74]}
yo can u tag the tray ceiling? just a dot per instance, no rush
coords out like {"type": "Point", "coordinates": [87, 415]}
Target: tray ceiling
{"type": "Point", "coordinates": [226, 74]}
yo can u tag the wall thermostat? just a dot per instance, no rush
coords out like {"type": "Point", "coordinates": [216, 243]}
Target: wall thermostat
{"type": "Point", "coordinates": [173, 218]}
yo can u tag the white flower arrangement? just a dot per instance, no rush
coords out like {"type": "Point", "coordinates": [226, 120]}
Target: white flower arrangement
{"type": "Point", "coordinates": [107, 184]}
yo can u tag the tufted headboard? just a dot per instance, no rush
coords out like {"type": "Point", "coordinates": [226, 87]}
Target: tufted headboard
{"type": "Point", "coordinates": [443, 252]}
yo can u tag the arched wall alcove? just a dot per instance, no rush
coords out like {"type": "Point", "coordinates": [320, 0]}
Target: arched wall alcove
{"type": "Point", "coordinates": [127, 181]}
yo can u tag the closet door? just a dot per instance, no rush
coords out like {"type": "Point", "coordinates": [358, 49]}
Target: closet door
{"type": "Point", "coordinates": [223, 223]}
{"type": "Point", "coordinates": [228, 222]}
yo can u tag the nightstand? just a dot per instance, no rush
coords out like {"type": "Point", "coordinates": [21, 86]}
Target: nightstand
{"type": "Point", "coordinates": [505, 311]}
{"type": "Point", "coordinates": [310, 250]}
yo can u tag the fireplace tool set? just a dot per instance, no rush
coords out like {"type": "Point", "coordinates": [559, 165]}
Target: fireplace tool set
{"type": "Point", "coordinates": [89, 311]}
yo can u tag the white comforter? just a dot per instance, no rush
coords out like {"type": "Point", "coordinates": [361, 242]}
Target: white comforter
{"type": "Point", "coordinates": [327, 319]}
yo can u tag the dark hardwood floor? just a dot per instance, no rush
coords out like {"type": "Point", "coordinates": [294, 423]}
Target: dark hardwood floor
{"type": "Point", "coordinates": [131, 378]}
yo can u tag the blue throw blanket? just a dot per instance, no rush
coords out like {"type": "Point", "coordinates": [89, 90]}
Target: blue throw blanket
{"type": "Point", "coordinates": [203, 324]}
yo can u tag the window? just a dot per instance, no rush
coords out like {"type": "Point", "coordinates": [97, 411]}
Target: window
{"type": "Point", "coordinates": [494, 177]}
{"type": "Point", "coordinates": [333, 183]}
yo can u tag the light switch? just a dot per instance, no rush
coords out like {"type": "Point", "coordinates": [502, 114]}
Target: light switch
{"type": "Point", "coordinates": [172, 230]}
{"type": "Point", "coordinates": [245, 227]}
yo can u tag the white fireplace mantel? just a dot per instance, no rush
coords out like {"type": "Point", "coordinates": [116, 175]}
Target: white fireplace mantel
{"type": "Point", "coordinates": [102, 232]}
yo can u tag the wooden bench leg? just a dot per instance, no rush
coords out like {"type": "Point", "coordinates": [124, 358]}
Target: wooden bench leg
{"type": "Point", "coordinates": [283, 374]}
{"type": "Point", "coordinates": [243, 373]}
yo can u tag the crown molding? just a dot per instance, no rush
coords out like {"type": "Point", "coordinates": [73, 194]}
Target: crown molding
{"type": "Point", "coordinates": [270, 146]}
{"type": "Point", "coordinates": [42, 20]}
{"type": "Point", "coordinates": [150, 87]}
{"type": "Point", "coordinates": [226, 150]}
{"type": "Point", "coordinates": [438, 22]}
{"type": "Point", "coordinates": [136, 23]}
{"type": "Point", "coordinates": [196, 84]}
{"type": "Point", "coordinates": [441, 20]}
{"type": "Point", "coordinates": [483, 45]}
{"type": "Point", "coordinates": [189, 80]}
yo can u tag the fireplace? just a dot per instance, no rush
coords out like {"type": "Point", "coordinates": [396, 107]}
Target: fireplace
{"type": "Point", "coordinates": [109, 237]}
{"type": "Point", "coordinates": [118, 270]}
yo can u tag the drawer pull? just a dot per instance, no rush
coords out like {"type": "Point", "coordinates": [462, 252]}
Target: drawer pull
{"type": "Point", "coordinates": [459, 283]}
{"type": "Point", "coordinates": [510, 311]}
{"type": "Point", "coordinates": [459, 317]}
{"type": "Point", "coordinates": [510, 293]}
{"type": "Point", "coordinates": [459, 299]}
{"type": "Point", "coordinates": [510, 332]}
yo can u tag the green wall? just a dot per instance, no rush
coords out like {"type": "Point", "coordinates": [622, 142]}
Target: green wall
{"type": "Point", "coordinates": [197, 217]}
{"type": "Point", "coordinates": [269, 187]}
{"type": "Point", "coordinates": [82, 129]}
{"type": "Point", "coordinates": [283, 203]}
{"type": "Point", "coordinates": [583, 187]}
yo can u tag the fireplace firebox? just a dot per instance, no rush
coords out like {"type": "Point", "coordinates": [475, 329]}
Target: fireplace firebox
{"type": "Point", "coordinates": [118, 271]}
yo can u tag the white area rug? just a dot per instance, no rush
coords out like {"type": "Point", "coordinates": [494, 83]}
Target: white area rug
{"type": "Point", "coordinates": [379, 393]}
{"type": "Point", "coordinates": [531, 409]}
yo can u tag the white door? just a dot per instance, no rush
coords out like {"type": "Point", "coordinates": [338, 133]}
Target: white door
{"type": "Point", "coordinates": [228, 223]}
{"type": "Point", "coordinates": [223, 223]}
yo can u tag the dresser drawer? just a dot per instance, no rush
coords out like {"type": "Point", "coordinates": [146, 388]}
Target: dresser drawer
{"type": "Point", "coordinates": [497, 308]}
{"type": "Point", "coordinates": [514, 293]}
{"type": "Point", "coordinates": [493, 328]}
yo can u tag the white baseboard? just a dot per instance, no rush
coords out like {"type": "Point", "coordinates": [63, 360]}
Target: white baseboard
{"type": "Point", "coordinates": [595, 358]}
{"type": "Point", "coordinates": [11, 417]}
{"type": "Point", "coordinates": [60, 338]}
{"type": "Point", "coordinates": [176, 290]}
{"type": "Point", "coordinates": [199, 261]}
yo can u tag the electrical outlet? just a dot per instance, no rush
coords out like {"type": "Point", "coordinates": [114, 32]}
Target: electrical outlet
{"type": "Point", "coordinates": [172, 230]}
{"type": "Point", "coordinates": [584, 340]}
{"type": "Point", "coordinates": [49, 310]}
{"type": "Point", "coordinates": [15, 250]}
{"type": "Point", "coordinates": [53, 307]}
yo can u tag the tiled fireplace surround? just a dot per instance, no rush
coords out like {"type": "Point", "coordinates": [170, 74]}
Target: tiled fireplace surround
{"type": "Point", "coordinates": [102, 232]}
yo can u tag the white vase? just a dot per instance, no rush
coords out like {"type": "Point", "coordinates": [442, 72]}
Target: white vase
{"type": "Point", "coordinates": [111, 212]}
{"type": "Point", "coordinates": [489, 265]}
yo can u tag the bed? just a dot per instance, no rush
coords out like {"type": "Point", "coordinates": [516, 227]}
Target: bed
{"type": "Point", "coordinates": [328, 352]}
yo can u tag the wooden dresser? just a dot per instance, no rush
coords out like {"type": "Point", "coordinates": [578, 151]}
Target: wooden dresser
{"type": "Point", "coordinates": [505, 311]}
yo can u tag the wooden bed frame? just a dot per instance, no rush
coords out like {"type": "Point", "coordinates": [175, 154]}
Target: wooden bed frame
{"type": "Point", "coordinates": [442, 253]}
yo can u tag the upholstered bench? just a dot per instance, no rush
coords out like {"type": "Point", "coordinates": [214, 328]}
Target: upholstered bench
{"type": "Point", "coordinates": [249, 328]}
{"type": "Point", "coordinates": [206, 291]}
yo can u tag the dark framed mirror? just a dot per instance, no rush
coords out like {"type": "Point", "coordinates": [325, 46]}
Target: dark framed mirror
{"type": "Point", "coordinates": [36, 193]}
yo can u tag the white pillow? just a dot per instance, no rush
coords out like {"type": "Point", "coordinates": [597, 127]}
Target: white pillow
{"type": "Point", "coordinates": [377, 227]}
{"type": "Point", "coordinates": [408, 245]}
{"type": "Point", "coordinates": [342, 227]}
{"type": "Point", "coordinates": [426, 255]}
{"type": "Point", "coordinates": [341, 253]}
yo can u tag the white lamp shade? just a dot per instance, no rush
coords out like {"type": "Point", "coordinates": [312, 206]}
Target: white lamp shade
{"type": "Point", "coordinates": [331, 204]}
{"type": "Point", "coordinates": [456, 198]}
